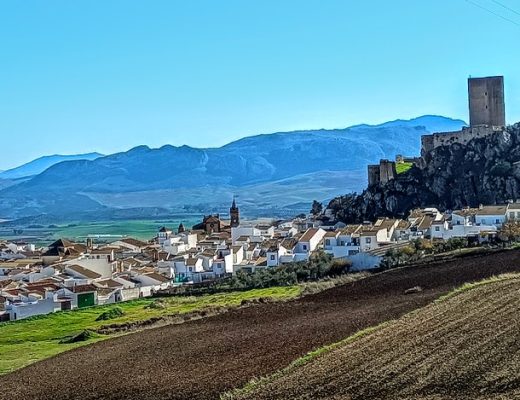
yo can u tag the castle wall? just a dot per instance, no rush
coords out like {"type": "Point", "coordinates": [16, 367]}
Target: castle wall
{"type": "Point", "coordinates": [486, 101]}
{"type": "Point", "coordinates": [431, 142]}
{"type": "Point", "coordinates": [373, 175]}
{"type": "Point", "coordinates": [387, 171]}
{"type": "Point", "coordinates": [426, 144]}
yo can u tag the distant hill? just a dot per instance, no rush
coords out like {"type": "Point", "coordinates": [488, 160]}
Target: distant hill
{"type": "Point", "coordinates": [271, 173]}
{"type": "Point", "coordinates": [432, 123]}
{"type": "Point", "coordinates": [39, 165]}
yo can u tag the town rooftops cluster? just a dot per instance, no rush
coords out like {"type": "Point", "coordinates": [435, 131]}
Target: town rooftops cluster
{"type": "Point", "coordinates": [67, 275]}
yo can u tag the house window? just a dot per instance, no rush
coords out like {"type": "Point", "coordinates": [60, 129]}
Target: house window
{"type": "Point", "coordinates": [272, 257]}
{"type": "Point", "coordinates": [512, 215]}
{"type": "Point", "coordinates": [190, 269]}
{"type": "Point", "coordinates": [304, 247]}
{"type": "Point", "coordinates": [437, 229]}
{"type": "Point", "coordinates": [497, 221]}
{"type": "Point", "coordinates": [327, 242]}
{"type": "Point", "coordinates": [368, 240]}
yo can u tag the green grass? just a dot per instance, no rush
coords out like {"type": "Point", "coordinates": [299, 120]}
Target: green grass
{"type": "Point", "coordinates": [473, 285]}
{"type": "Point", "coordinates": [403, 167]}
{"type": "Point", "coordinates": [140, 229]}
{"type": "Point", "coordinates": [26, 341]}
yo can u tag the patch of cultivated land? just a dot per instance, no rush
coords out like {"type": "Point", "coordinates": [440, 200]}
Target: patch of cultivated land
{"type": "Point", "coordinates": [465, 347]}
{"type": "Point", "coordinates": [26, 341]}
{"type": "Point", "coordinates": [202, 359]}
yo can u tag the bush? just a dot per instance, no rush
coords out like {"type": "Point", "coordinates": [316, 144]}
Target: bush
{"type": "Point", "coordinates": [80, 337]}
{"type": "Point", "coordinates": [111, 314]}
{"type": "Point", "coordinates": [320, 265]}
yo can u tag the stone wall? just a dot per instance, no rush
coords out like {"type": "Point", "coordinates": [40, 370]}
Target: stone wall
{"type": "Point", "coordinates": [382, 172]}
{"type": "Point", "coordinates": [431, 142]}
{"type": "Point", "coordinates": [374, 176]}
{"type": "Point", "coordinates": [486, 101]}
{"type": "Point", "coordinates": [387, 171]}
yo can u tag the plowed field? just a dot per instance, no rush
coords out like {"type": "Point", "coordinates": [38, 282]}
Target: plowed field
{"type": "Point", "coordinates": [467, 347]}
{"type": "Point", "coordinates": [204, 358]}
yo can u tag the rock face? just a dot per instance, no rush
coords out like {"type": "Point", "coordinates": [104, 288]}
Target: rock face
{"type": "Point", "coordinates": [485, 171]}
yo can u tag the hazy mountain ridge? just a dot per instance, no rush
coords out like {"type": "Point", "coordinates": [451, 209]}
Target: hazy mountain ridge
{"type": "Point", "coordinates": [40, 164]}
{"type": "Point", "coordinates": [271, 164]}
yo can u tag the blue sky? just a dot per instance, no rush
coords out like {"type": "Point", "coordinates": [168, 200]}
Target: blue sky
{"type": "Point", "coordinates": [81, 76]}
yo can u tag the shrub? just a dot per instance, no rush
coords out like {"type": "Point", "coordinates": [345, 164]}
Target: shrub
{"type": "Point", "coordinates": [111, 314]}
{"type": "Point", "coordinates": [83, 336]}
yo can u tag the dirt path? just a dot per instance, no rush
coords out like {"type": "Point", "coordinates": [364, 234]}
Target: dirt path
{"type": "Point", "coordinates": [201, 359]}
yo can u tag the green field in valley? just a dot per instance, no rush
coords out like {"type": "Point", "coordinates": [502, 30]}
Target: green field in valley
{"type": "Point", "coordinates": [26, 341]}
{"type": "Point", "coordinates": [103, 231]}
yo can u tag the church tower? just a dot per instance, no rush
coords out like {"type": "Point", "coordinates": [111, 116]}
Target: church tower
{"type": "Point", "coordinates": [234, 212]}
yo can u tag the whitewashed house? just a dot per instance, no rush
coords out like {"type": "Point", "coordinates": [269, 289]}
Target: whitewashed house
{"type": "Point", "coordinates": [491, 215]}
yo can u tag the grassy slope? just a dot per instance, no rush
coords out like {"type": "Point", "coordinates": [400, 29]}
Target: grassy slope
{"type": "Point", "coordinates": [431, 353]}
{"type": "Point", "coordinates": [26, 341]}
{"type": "Point", "coordinates": [403, 167]}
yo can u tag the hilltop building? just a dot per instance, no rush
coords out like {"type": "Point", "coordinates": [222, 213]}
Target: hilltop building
{"type": "Point", "coordinates": [382, 172]}
{"type": "Point", "coordinates": [486, 115]}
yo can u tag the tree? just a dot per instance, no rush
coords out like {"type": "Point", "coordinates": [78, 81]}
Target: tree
{"type": "Point", "coordinates": [510, 231]}
{"type": "Point", "coordinates": [317, 208]}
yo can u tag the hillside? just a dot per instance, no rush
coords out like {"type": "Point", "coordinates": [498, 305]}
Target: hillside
{"type": "Point", "coordinates": [203, 359]}
{"type": "Point", "coordinates": [39, 165]}
{"type": "Point", "coordinates": [465, 347]}
{"type": "Point", "coordinates": [485, 171]}
{"type": "Point", "coordinates": [276, 164]}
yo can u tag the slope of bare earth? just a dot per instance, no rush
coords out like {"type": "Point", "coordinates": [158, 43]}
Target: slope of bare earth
{"type": "Point", "coordinates": [467, 347]}
{"type": "Point", "coordinates": [202, 359]}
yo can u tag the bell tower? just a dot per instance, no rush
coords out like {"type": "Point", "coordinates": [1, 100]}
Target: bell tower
{"type": "Point", "coordinates": [234, 212]}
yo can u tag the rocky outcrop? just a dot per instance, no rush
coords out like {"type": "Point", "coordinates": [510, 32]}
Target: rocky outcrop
{"type": "Point", "coordinates": [484, 171]}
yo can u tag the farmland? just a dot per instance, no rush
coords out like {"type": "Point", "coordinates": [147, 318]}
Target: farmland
{"type": "Point", "coordinates": [26, 341]}
{"type": "Point", "coordinates": [464, 347]}
{"type": "Point", "coordinates": [43, 234]}
{"type": "Point", "coordinates": [205, 358]}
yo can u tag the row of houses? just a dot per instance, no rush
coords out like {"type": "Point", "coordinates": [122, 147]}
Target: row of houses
{"type": "Point", "coordinates": [68, 275]}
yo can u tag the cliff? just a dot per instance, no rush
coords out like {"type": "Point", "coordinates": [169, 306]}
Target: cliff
{"type": "Point", "coordinates": [484, 171]}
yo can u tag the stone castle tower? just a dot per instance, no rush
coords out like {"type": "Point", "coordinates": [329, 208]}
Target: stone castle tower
{"type": "Point", "coordinates": [486, 101]}
{"type": "Point", "coordinates": [234, 212]}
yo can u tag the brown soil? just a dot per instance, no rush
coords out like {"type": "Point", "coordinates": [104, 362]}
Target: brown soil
{"type": "Point", "coordinates": [204, 358]}
{"type": "Point", "coordinates": [466, 347]}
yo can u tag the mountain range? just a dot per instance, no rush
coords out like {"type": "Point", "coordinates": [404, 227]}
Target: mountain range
{"type": "Point", "coordinates": [272, 174]}
{"type": "Point", "coordinates": [39, 165]}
